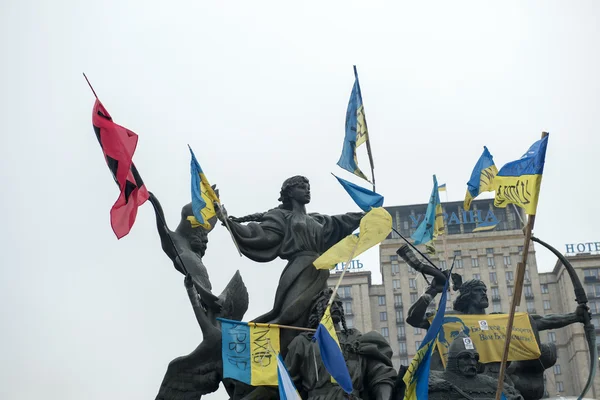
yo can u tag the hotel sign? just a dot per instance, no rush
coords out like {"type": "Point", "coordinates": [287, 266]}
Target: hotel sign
{"type": "Point", "coordinates": [468, 217]}
{"type": "Point", "coordinates": [586, 247]}
{"type": "Point", "coordinates": [355, 265]}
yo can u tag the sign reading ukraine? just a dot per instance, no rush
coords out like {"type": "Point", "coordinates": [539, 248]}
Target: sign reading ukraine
{"type": "Point", "coordinates": [250, 352]}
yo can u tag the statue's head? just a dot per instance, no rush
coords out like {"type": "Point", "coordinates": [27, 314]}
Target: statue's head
{"type": "Point", "coordinates": [472, 293]}
{"type": "Point", "coordinates": [319, 305]}
{"type": "Point", "coordinates": [462, 356]}
{"type": "Point", "coordinates": [296, 188]}
{"type": "Point", "coordinates": [197, 236]}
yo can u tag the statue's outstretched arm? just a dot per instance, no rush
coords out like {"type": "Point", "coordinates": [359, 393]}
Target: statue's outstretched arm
{"type": "Point", "coordinates": [555, 321]}
{"type": "Point", "coordinates": [161, 226]}
{"type": "Point", "coordinates": [417, 313]}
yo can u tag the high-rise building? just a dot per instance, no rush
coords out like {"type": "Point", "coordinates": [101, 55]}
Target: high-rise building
{"type": "Point", "coordinates": [490, 255]}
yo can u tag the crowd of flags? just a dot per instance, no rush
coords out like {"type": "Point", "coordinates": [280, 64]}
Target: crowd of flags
{"type": "Point", "coordinates": [517, 182]}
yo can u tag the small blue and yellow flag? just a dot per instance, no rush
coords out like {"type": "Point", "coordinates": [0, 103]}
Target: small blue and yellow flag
{"type": "Point", "coordinates": [433, 223]}
{"type": "Point", "coordinates": [519, 181]}
{"type": "Point", "coordinates": [287, 389]}
{"type": "Point", "coordinates": [416, 377]}
{"type": "Point", "coordinates": [482, 178]}
{"type": "Point", "coordinates": [356, 131]}
{"type": "Point", "coordinates": [442, 188]}
{"type": "Point", "coordinates": [203, 196]}
{"type": "Point", "coordinates": [249, 352]}
{"type": "Point", "coordinates": [331, 353]}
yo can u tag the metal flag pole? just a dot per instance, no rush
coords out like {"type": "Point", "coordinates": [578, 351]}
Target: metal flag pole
{"type": "Point", "coordinates": [516, 300]}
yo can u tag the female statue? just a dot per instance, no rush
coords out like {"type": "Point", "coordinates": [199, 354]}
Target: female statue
{"type": "Point", "coordinates": [292, 234]}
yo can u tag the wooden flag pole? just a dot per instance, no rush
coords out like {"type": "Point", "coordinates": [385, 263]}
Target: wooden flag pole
{"type": "Point", "coordinates": [516, 300]}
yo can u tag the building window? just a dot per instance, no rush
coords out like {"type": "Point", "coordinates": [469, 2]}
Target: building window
{"type": "Point", "coordinates": [385, 332]}
{"type": "Point", "coordinates": [506, 260]}
{"type": "Point", "coordinates": [417, 344]}
{"type": "Point", "coordinates": [556, 369]}
{"type": "Point", "coordinates": [417, 331]}
{"type": "Point", "coordinates": [396, 283]}
{"type": "Point", "coordinates": [552, 337]}
{"type": "Point", "coordinates": [474, 262]}
{"type": "Point", "coordinates": [383, 316]}
{"type": "Point", "coordinates": [527, 274]}
{"type": "Point", "coordinates": [560, 387]}
{"type": "Point", "coordinates": [490, 262]}
{"type": "Point", "coordinates": [347, 308]}
{"type": "Point", "coordinates": [345, 292]}
{"type": "Point", "coordinates": [530, 306]}
{"type": "Point", "coordinates": [402, 348]}
{"type": "Point", "coordinates": [457, 253]}
{"type": "Point", "coordinates": [591, 272]}
{"type": "Point", "coordinates": [509, 290]}
{"type": "Point", "coordinates": [412, 271]}
{"type": "Point", "coordinates": [349, 321]}
{"type": "Point", "coordinates": [412, 283]}
{"type": "Point", "coordinates": [544, 288]}
{"type": "Point", "coordinates": [458, 263]}
{"type": "Point", "coordinates": [413, 298]}
{"type": "Point", "coordinates": [404, 361]}
{"type": "Point", "coordinates": [547, 305]}
{"type": "Point", "coordinates": [442, 264]}
{"type": "Point", "coordinates": [495, 292]}
{"type": "Point", "coordinates": [381, 300]}
{"type": "Point", "coordinates": [401, 332]}
{"type": "Point", "coordinates": [397, 300]}
{"type": "Point", "coordinates": [394, 258]}
{"type": "Point", "coordinates": [477, 276]}
{"type": "Point", "coordinates": [395, 268]}
{"type": "Point", "coordinates": [497, 307]}
{"type": "Point", "coordinates": [489, 250]}
{"type": "Point", "coordinates": [528, 290]}
{"type": "Point", "coordinates": [399, 316]}
{"type": "Point", "coordinates": [510, 276]}
{"type": "Point", "coordinates": [520, 248]}
{"type": "Point", "coordinates": [493, 277]}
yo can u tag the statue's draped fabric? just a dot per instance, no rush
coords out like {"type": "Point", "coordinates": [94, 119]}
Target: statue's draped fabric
{"type": "Point", "coordinates": [368, 358]}
{"type": "Point", "coordinates": [300, 239]}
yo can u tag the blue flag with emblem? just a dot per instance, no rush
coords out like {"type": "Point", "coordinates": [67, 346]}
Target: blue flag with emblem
{"type": "Point", "coordinates": [482, 178]}
{"type": "Point", "coordinates": [433, 223]}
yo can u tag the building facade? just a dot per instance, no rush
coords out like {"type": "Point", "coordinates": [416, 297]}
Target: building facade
{"type": "Point", "coordinates": [491, 254]}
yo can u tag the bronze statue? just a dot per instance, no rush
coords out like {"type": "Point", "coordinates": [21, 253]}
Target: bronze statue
{"type": "Point", "coordinates": [461, 380]}
{"type": "Point", "coordinates": [367, 356]}
{"type": "Point", "coordinates": [289, 232]}
{"type": "Point", "coordinates": [527, 376]}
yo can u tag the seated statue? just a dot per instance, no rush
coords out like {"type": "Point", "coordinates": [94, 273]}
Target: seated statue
{"type": "Point", "coordinates": [461, 380]}
{"type": "Point", "coordinates": [367, 356]}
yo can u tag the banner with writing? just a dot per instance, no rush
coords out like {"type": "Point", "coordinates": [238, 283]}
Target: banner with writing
{"type": "Point", "coordinates": [250, 352]}
{"type": "Point", "coordinates": [488, 333]}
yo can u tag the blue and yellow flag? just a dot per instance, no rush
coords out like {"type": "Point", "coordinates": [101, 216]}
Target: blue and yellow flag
{"type": "Point", "coordinates": [442, 188]}
{"type": "Point", "coordinates": [287, 390]}
{"type": "Point", "coordinates": [433, 223]}
{"type": "Point", "coordinates": [250, 352]}
{"type": "Point", "coordinates": [482, 178]}
{"type": "Point", "coordinates": [519, 181]}
{"type": "Point", "coordinates": [416, 377]}
{"type": "Point", "coordinates": [364, 198]}
{"type": "Point", "coordinates": [203, 196]}
{"type": "Point", "coordinates": [331, 353]}
{"type": "Point", "coordinates": [356, 131]}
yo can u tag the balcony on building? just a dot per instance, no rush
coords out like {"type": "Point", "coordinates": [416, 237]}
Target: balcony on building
{"type": "Point", "coordinates": [496, 298]}
{"type": "Point", "coordinates": [401, 337]}
{"type": "Point", "coordinates": [397, 305]}
{"type": "Point", "coordinates": [529, 296]}
{"type": "Point", "coordinates": [592, 278]}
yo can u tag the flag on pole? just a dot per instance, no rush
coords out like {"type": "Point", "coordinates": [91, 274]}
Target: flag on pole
{"type": "Point", "coordinates": [356, 131]}
{"type": "Point", "coordinates": [118, 145]}
{"type": "Point", "coordinates": [203, 196]}
{"type": "Point", "coordinates": [287, 390]}
{"type": "Point", "coordinates": [433, 223]}
{"type": "Point", "coordinates": [416, 377]}
{"type": "Point", "coordinates": [519, 181]}
{"type": "Point", "coordinates": [364, 198]}
{"type": "Point", "coordinates": [482, 178]}
{"type": "Point", "coordinates": [331, 353]}
{"type": "Point", "coordinates": [442, 188]}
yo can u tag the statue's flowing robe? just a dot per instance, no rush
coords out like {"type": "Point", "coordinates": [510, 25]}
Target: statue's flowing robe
{"type": "Point", "coordinates": [368, 358]}
{"type": "Point", "coordinates": [300, 239]}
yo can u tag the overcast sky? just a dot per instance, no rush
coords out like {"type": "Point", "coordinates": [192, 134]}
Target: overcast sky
{"type": "Point", "coordinates": [259, 90]}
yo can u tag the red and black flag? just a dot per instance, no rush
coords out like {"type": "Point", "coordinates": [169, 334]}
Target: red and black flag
{"type": "Point", "coordinates": [118, 145]}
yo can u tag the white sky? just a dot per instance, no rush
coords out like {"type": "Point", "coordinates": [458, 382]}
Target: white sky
{"type": "Point", "coordinates": [260, 92]}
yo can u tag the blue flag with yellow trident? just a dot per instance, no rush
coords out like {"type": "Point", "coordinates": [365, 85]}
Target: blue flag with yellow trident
{"type": "Point", "coordinates": [356, 131]}
{"type": "Point", "coordinates": [519, 181]}
{"type": "Point", "coordinates": [203, 196]}
{"type": "Point", "coordinates": [482, 178]}
{"type": "Point", "coordinates": [416, 377]}
{"type": "Point", "coordinates": [433, 223]}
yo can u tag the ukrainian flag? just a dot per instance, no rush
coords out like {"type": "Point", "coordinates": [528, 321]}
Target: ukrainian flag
{"type": "Point", "coordinates": [482, 178]}
{"type": "Point", "coordinates": [416, 377]}
{"type": "Point", "coordinates": [433, 224]}
{"type": "Point", "coordinates": [287, 390]}
{"type": "Point", "coordinates": [519, 181]}
{"type": "Point", "coordinates": [331, 353]}
{"type": "Point", "coordinates": [356, 131]}
{"type": "Point", "coordinates": [203, 196]}
{"type": "Point", "coordinates": [442, 188]}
